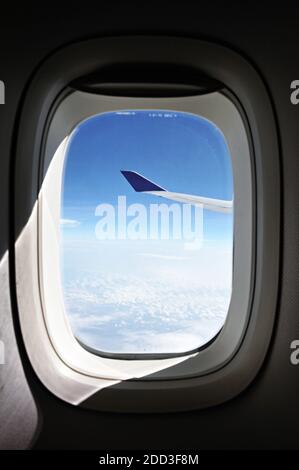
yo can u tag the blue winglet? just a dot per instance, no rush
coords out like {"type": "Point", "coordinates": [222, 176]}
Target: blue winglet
{"type": "Point", "coordinates": [139, 183]}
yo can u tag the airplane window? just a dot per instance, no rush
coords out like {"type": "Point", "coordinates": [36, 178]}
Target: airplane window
{"type": "Point", "coordinates": [146, 232]}
{"type": "Point", "coordinates": [147, 251]}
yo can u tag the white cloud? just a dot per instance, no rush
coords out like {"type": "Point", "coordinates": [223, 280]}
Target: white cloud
{"type": "Point", "coordinates": [70, 223]}
{"type": "Point", "coordinates": [119, 313]}
{"type": "Point", "coordinates": [166, 257]}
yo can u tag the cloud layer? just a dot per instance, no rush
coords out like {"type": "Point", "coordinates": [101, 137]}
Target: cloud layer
{"type": "Point", "coordinates": [118, 313]}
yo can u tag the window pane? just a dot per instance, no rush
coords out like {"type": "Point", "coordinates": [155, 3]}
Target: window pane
{"type": "Point", "coordinates": [146, 262]}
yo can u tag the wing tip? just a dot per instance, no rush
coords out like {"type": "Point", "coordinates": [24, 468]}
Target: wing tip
{"type": "Point", "coordinates": [139, 183]}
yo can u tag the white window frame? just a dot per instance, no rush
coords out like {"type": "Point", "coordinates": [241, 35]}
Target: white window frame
{"type": "Point", "coordinates": [229, 363]}
{"type": "Point", "coordinates": [76, 108]}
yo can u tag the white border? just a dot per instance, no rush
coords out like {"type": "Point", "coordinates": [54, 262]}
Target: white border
{"type": "Point", "coordinates": [72, 111]}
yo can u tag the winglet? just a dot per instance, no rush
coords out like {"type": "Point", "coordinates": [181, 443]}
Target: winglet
{"type": "Point", "coordinates": [139, 183]}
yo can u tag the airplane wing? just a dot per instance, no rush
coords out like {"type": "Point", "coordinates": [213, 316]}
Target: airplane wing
{"type": "Point", "coordinates": [142, 185]}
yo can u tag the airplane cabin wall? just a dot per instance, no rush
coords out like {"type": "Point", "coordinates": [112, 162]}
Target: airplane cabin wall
{"type": "Point", "coordinates": [264, 415]}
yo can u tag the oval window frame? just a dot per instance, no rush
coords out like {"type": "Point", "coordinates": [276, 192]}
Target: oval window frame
{"type": "Point", "coordinates": [238, 76]}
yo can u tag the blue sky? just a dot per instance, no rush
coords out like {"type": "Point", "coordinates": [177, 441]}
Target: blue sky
{"type": "Point", "coordinates": [179, 151]}
{"type": "Point", "coordinates": [182, 153]}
